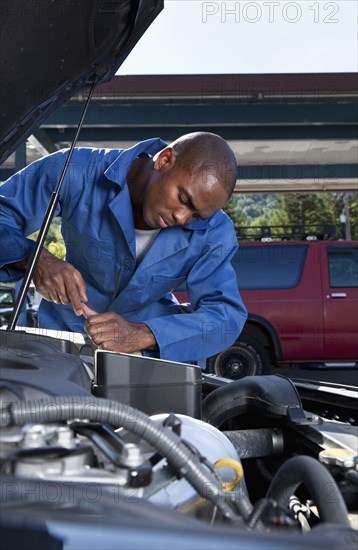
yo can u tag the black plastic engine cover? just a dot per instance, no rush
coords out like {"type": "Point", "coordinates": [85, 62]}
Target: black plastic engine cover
{"type": "Point", "coordinates": [33, 366]}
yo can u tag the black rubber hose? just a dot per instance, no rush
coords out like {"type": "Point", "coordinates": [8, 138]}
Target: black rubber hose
{"type": "Point", "coordinates": [352, 477]}
{"type": "Point", "coordinates": [167, 443]}
{"type": "Point", "coordinates": [257, 442]}
{"type": "Point", "coordinates": [260, 507]}
{"type": "Point", "coordinates": [270, 396]}
{"type": "Point", "coordinates": [242, 501]}
{"type": "Point", "coordinates": [319, 483]}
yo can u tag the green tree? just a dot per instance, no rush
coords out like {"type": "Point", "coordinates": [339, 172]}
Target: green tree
{"type": "Point", "coordinates": [352, 200]}
{"type": "Point", "coordinates": [304, 209]}
{"type": "Point", "coordinates": [54, 241]}
{"type": "Point", "coordinates": [235, 212]}
{"type": "Point", "coordinates": [353, 210]}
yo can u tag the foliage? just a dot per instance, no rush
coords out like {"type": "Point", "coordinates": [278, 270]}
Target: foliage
{"type": "Point", "coordinates": [354, 216]}
{"type": "Point", "coordinates": [234, 211]}
{"type": "Point", "coordinates": [294, 209]}
{"type": "Point", "coordinates": [304, 209]}
{"type": "Point", "coordinates": [245, 209]}
{"type": "Point", "coordinates": [58, 249]}
{"type": "Point", "coordinates": [251, 210]}
{"type": "Point", "coordinates": [54, 241]}
{"type": "Point", "coordinates": [351, 199]}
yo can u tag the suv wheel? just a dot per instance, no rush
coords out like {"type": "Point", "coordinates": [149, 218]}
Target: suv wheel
{"type": "Point", "coordinates": [246, 357]}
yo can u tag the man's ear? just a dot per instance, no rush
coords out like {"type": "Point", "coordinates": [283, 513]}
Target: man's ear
{"type": "Point", "coordinates": [165, 159]}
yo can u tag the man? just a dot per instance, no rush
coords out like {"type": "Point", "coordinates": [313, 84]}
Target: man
{"type": "Point", "coordinates": [165, 200]}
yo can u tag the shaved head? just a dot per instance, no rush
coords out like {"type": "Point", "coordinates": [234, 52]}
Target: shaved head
{"type": "Point", "coordinates": [208, 154]}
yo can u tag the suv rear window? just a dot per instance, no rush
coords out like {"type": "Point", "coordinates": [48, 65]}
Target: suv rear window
{"type": "Point", "coordinates": [267, 266]}
{"type": "Point", "coordinates": [343, 267]}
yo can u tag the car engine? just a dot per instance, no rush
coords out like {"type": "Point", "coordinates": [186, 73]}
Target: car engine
{"type": "Point", "coordinates": [253, 461]}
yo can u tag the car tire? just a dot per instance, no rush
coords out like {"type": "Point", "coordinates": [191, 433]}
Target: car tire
{"type": "Point", "coordinates": [246, 357]}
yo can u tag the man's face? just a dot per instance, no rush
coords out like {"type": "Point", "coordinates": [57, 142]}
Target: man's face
{"type": "Point", "coordinates": [175, 197]}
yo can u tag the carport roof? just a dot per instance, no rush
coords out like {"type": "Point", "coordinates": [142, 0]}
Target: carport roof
{"type": "Point", "coordinates": [292, 132]}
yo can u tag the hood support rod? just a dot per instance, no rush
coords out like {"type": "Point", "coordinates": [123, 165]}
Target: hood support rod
{"type": "Point", "coordinates": [46, 222]}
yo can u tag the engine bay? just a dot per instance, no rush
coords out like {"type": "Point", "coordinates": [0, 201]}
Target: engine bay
{"type": "Point", "coordinates": [270, 459]}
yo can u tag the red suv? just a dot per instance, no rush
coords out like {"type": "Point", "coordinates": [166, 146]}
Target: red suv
{"type": "Point", "coordinates": [302, 300]}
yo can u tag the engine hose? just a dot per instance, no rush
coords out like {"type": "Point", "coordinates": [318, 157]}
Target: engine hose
{"type": "Point", "coordinates": [352, 477]}
{"type": "Point", "coordinates": [319, 483]}
{"type": "Point", "coordinates": [270, 396]}
{"type": "Point", "coordinates": [242, 501]}
{"type": "Point", "coordinates": [115, 414]}
{"type": "Point", "coordinates": [260, 507]}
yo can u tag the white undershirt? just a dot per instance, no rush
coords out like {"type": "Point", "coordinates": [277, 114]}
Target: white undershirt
{"type": "Point", "coordinates": [143, 241]}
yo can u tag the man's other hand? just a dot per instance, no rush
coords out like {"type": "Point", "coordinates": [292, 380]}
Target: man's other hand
{"type": "Point", "coordinates": [58, 281]}
{"type": "Point", "coordinates": [112, 332]}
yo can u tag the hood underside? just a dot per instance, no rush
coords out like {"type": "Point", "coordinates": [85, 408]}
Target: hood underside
{"type": "Point", "coordinates": [51, 49]}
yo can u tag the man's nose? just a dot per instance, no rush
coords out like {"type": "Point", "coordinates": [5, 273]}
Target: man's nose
{"type": "Point", "coordinates": [182, 215]}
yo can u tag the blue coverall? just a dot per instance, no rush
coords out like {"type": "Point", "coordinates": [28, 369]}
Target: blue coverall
{"type": "Point", "coordinates": [98, 230]}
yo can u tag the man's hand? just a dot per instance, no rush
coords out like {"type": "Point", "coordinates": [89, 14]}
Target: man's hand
{"type": "Point", "coordinates": [59, 281]}
{"type": "Point", "coordinates": [112, 332]}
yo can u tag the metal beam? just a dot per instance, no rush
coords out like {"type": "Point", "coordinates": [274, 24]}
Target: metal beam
{"type": "Point", "coordinates": [238, 115]}
{"type": "Point", "coordinates": [96, 134]}
{"type": "Point", "coordinates": [6, 173]}
{"type": "Point", "coordinates": [292, 177]}
{"type": "Point", "coordinates": [42, 142]}
{"type": "Point", "coordinates": [333, 173]}
{"type": "Point", "coordinates": [20, 157]}
{"type": "Point", "coordinates": [301, 186]}
{"type": "Point", "coordinates": [303, 86]}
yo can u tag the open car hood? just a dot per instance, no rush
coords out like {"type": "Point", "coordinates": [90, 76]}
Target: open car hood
{"type": "Point", "coordinates": [51, 49]}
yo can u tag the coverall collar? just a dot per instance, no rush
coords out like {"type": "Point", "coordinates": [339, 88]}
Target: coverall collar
{"type": "Point", "coordinates": [118, 170]}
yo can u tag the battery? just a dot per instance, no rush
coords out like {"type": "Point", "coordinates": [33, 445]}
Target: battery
{"type": "Point", "coordinates": [149, 384]}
